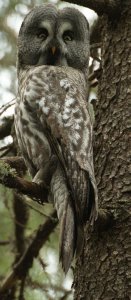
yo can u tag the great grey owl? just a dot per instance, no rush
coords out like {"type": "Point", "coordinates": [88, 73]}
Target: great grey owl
{"type": "Point", "coordinates": [52, 117]}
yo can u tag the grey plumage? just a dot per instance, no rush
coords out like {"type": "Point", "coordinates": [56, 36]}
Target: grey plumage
{"type": "Point", "coordinates": [52, 117]}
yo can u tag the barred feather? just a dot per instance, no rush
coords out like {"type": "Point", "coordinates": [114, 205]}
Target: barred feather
{"type": "Point", "coordinates": [52, 117]}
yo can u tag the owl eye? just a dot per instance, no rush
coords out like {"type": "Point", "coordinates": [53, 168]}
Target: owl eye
{"type": "Point", "coordinates": [42, 34]}
{"type": "Point", "coordinates": [68, 36]}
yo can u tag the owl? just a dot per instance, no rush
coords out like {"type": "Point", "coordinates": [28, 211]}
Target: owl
{"type": "Point", "coordinates": [52, 118]}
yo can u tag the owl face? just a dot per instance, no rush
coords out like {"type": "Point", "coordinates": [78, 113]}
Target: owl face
{"type": "Point", "coordinates": [54, 37]}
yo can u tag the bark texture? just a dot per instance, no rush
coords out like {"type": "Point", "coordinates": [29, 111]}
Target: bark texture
{"type": "Point", "coordinates": [103, 271]}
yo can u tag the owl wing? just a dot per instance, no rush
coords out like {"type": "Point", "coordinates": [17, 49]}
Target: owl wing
{"type": "Point", "coordinates": [58, 95]}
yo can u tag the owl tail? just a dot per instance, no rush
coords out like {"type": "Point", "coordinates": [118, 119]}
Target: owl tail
{"type": "Point", "coordinates": [67, 237]}
{"type": "Point", "coordinates": [62, 202]}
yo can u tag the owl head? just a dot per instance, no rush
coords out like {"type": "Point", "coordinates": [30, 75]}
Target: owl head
{"type": "Point", "coordinates": [49, 36]}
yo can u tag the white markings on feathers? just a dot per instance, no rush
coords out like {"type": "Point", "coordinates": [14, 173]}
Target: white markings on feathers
{"type": "Point", "coordinates": [71, 124]}
{"type": "Point", "coordinates": [60, 109]}
{"type": "Point", "coordinates": [46, 110]}
{"type": "Point", "coordinates": [64, 83]}
{"type": "Point", "coordinates": [69, 101]}
{"type": "Point", "coordinates": [65, 117]}
{"type": "Point", "coordinates": [42, 104]}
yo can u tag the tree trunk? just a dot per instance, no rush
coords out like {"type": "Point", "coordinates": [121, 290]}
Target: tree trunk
{"type": "Point", "coordinates": [102, 271]}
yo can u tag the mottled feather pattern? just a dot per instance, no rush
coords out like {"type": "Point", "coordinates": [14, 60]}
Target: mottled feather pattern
{"type": "Point", "coordinates": [64, 107]}
{"type": "Point", "coordinates": [60, 102]}
{"type": "Point", "coordinates": [68, 225]}
{"type": "Point", "coordinates": [52, 119]}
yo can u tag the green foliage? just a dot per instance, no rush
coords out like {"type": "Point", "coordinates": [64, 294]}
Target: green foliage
{"type": "Point", "coordinates": [6, 170]}
{"type": "Point", "coordinates": [6, 229]}
{"type": "Point", "coordinates": [42, 281]}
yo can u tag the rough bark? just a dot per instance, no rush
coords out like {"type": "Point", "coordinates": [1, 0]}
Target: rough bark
{"type": "Point", "coordinates": [102, 271]}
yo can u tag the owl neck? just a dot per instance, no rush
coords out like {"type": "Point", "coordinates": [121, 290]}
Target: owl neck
{"type": "Point", "coordinates": [22, 72]}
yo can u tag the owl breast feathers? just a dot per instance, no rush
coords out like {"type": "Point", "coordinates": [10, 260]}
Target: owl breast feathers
{"type": "Point", "coordinates": [52, 117]}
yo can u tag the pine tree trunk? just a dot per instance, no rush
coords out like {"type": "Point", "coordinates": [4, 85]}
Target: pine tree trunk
{"type": "Point", "coordinates": [102, 271]}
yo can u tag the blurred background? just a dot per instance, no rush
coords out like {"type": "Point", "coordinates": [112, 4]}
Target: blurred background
{"type": "Point", "coordinates": [46, 279]}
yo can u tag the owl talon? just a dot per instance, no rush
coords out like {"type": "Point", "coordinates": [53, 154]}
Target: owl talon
{"type": "Point", "coordinates": [44, 175]}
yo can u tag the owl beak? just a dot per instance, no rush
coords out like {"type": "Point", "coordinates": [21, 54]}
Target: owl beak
{"type": "Point", "coordinates": [53, 49]}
